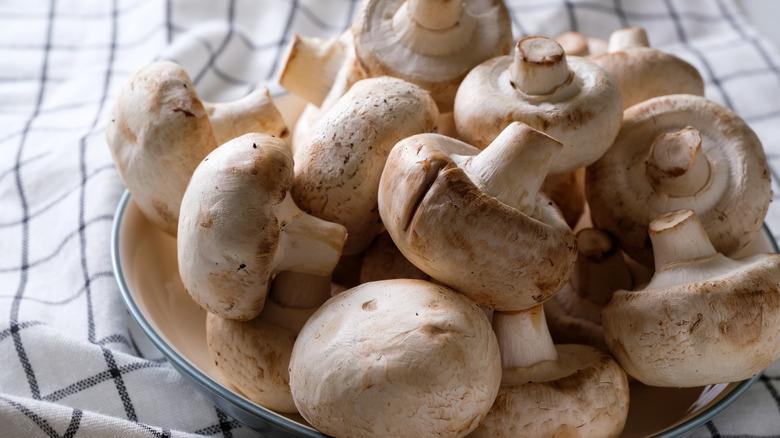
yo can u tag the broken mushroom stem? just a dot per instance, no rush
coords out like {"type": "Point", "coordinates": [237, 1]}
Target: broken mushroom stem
{"type": "Point", "coordinates": [676, 164]}
{"type": "Point", "coordinates": [495, 169]}
{"type": "Point", "coordinates": [255, 112]}
{"type": "Point", "coordinates": [627, 38]}
{"type": "Point", "coordinates": [539, 67]}
{"type": "Point", "coordinates": [433, 27]}
{"type": "Point", "coordinates": [679, 236]}
{"type": "Point", "coordinates": [435, 14]}
{"type": "Point", "coordinates": [523, 338]}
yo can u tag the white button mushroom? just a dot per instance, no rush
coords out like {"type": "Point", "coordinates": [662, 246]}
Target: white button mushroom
{"type": "Point", "coordinates": [337, 170]}
{"type": "Point", "coordinates": [578, 44]}
{"type": "Point", "coordinates": [432, 43]}
{"type": "Point", "coordinates": [552, 390]}
{"type": "Point", "coordinates": [396, 358]}
{"type": "Point", "coordinates": [569, 98]}
{"type": "Point", "coordinates": [254, 356]}
{"type": "Point", "coordinates": [574, 313]}
{"type": "Point", "coordinates": [703, 318]}
{"type": "Point", "coordinates": [476, 221]}
{"type": "Point", "coordinates": [680, 152]}
{"type": "Point", "coordinates": [239, 226]}
{"type": "Point", "coordinates": [160, 131]}
{"type": "Point", "coordinates": [642, 72]}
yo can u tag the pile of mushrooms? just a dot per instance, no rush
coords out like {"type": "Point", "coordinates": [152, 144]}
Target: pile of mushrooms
{"type": "Point", "coordinates": [461, 236]}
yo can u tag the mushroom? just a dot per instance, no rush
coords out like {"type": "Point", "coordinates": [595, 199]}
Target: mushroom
{"type": "Point", "coordinates": [337, 170]}
{"type": "Point", "coordinates": [574, 313]}
{"type": "Point", "coordinates": [239, 226]}
{"type": "Point", "coordinates": [432, 43]}
{"type": "Point", "coordinates": [550, 390]}
{"type": "Point", "coordinates": [642, 72]}
{"type": "Point", "coordinates": [476, 221]}
{"type": "Point", "coordinates": [160, 131]}
{"type": "Point", "coordinates": [254, 356]}
{"type": "Point", "coordinates": [310, 65]}
{"type": "Point", "coordinates": [578, 44]}
{"type": "Point", "coordinates": [383, 261]}
{"type": "Point", "coordinates": [703, 318]}
{"type": "Point", "coordinates": [567, 191]}
{"type": "Point", "coordinates": [680, 152]}
{"type": "Point", "coordinates": [569, 98]}
{"type": "Point", "coordinates": [396, 358]}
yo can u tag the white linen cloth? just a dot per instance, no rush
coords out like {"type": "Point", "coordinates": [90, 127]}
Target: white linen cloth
{"type": "Point", "coordinates": [72, 362]}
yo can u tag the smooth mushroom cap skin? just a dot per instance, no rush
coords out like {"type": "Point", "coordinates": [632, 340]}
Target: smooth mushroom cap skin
{"type": "Point", "coordinates": [465, 238]}
{"type": "Point", "coordinates": [584, 394]}
{"type": "Point", "coordinates": [584, 113]}
{"type": "Point", "coordinates": [732, 205]}
{"type": "Point", "coordinates": [390, 41]}
{"type": "Point", "coordinates": [337, 169]}
{"type": "Point", "coordinates": [228, 233]}
{"type": "Point", "coordinates": [158, 134]}
{"type": "Point", "coordinates": [396, 358]}
{"type": "Point", "coordinates": [254, 356]}
{"type": "Point", "coordinates": [722, 329]}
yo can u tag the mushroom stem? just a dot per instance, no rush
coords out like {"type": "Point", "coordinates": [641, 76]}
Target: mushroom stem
{"type": "Point", "coordinates": [298, 290]}
{"type": "Point", "coordinates": [512, 168]}
{"type": "Point", "coordinates": [311, 65]}
{"type": "Point", "coordinates": [255, 112]}
{"type": "Point", "coordinates": [523, 338]}
{"type": "Point", "coordinates": [600, 269]}
{"type": "Point", "coordinates": [309, 244]}
{"type": "Point", "coordinates": [676, 164]}
{"type": "Point", "coordinates": [435, 14]}
{"type": "Point", "coordinates": [627, 38]}
{"type": "Point", "coordinates": [539, 66]}
{"type": "Point", "coordinates": [679, 236]}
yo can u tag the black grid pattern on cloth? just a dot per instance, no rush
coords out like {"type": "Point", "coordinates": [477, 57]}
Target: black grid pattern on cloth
{"type": "Point", "coordinates": [61, 65]}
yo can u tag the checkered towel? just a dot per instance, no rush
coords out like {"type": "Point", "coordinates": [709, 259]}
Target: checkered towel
{"type": "Point", "coordinates": [72, 362]}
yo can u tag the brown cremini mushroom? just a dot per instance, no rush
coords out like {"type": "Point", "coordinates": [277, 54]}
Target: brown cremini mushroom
{"type": "Point", "coordinates": [476, 221]}
{"type": "Point", "coordinates": [680, 152]}
{"type": "Point", "coordinates": [239, 226]}
{"type": "Point", "coordinates": [569, 98]}
{"type": "Point", "coordinates": [550, 390]}
{"type": "Point", "coordinates": [396, 358]}
{"type": "Point", "coordinates": [337, 170]}
{"type": "Point", "coordinates": [642, 72]}
{"type": "Point", "coordinates": [432, 43]}
{"type": "Point", "coordinates": [160, 131]}
{"type": "Point", "coordinates": [703, 318]}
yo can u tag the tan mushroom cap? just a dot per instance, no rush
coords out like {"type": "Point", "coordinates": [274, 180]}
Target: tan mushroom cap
{"type": "Point", "coordinates": [432, 43]}
{"type": "Point", "coordinates": [703, 318]}
{"type": "Point", "coordinates": [396, 358]}
{"type": "Point", "coordinates": [569, 98]}
{"type": "Point", "coordinates": [506, 247]}
{"type": "Point", "coordinates": [239, 226]}
{"type": "Point", "coordinates": [159, 133]}
{"type": "Point", "coordinates": [680, 152]}
{"type": "Point", "coordinates": [584, 393]}
{"type": "Point", "coordinates": [337, 170]}
{"type": "Point", "coordinates": [642, 72]}
{"type": "Point", "coordinates": [161, 130]}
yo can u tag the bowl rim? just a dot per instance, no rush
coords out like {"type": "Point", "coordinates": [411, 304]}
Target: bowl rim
{"type": "Point", "coordinates": [238, 406]}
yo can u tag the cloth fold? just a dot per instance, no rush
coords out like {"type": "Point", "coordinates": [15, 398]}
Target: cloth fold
{"type": "Point", "coordinates": [72, 362]}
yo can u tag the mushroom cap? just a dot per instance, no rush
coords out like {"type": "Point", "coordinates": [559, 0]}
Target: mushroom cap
{"type": "Point", "coordinates": [396, 358]}
{"type": "Point", "coordinates": [228, 232]}
{"type": "Point", "coordinates": [448, 227]}
{"type": "Point", "coordinates": [721, 327]}
{"type": "Point", "coordinates": [254, 357]}
{"type": "Point", "coordinates": [159, 133]}
{"type": "Point", "coordinates": [642, 73]}
{"type": "Point", "coordinates": [383, 261]}
{"type": "Point", "coordinates": [337, 170]}
{"type": "Point", "coordinates": [733, 203]}
{"type": "Point", "coordinates": [388, 41]}
{"type": "Point", "coordinates": [584, 393]}
{"type": "Point", "coordinates": [584, 113]}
